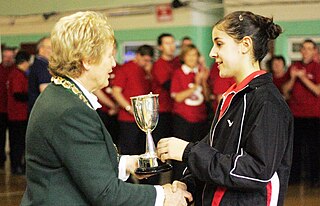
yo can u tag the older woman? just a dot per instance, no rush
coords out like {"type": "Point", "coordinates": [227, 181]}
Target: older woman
{"type": "Point", "coordinates": [71, 159]}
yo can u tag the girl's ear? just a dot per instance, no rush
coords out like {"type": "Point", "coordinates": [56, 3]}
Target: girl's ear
{"type": "Point", "coordinates": [246, 44]}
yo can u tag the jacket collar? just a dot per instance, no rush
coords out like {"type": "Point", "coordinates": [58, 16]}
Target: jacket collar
{"type": "Point", "coordinates": [260, 80]}
{"type": "Point", "coordinates": [91, 97]}
{"type": "Point", "coordinates": [245, 83]}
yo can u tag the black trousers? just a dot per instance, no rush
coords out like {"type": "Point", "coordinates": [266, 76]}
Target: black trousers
{"type": "Point", "coordinates": [306, 151]}
{"type": "Point", "coordinates": [3, 128]}
{"type": "Point", "coordinates": [17, 137]}
{"type": "Point", "coordinates": [132, 140]}
{"type": "Point", "coordinates": [191, 132]}
{"type": "Point", "coordinates": [112, 125]}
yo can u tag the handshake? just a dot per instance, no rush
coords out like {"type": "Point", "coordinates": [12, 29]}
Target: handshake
{"type": "Point", "coordinates": [176, 194]}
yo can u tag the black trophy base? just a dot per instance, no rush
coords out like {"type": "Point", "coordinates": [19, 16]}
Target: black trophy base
{"type": "Point", "coordinates": [163, 167]}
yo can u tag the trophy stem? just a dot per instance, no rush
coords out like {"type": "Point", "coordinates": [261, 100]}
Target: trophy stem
{"type": "Point", "coordinates": [150, 147]}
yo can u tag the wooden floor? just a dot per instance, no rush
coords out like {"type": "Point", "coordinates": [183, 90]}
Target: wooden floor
{"type": "Point", "coordinates": [13, 186]}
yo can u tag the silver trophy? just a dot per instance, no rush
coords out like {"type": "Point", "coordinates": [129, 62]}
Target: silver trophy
{"type": "Point", "coordinates": [145, 110]}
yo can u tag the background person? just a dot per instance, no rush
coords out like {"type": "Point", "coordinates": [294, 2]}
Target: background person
{"type": "Point", "coordinates": [162, 72]}
{"type": "Point", "coordinates": [190, 91]}
{"type": "Point", "coordinates": [6, 66]}
{"type": "Point", "coordinates": [18, 111]}
{"type": "Point", "coordinates": [278, 70]}
{"type": "Point", "coordinates": [39, 76]}
{"type": "Point", "coordinates": [132, 79]}
{"type": "Point", "coordinates": [302, 86]}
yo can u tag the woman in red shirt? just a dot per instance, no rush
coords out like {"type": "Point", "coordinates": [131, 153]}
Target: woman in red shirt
{"type": "Point", "coordinates": [189, 90]}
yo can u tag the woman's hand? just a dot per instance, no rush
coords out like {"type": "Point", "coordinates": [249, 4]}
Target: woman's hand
{"type": "Point", "coordinates": [132, 165]}
{"type": "Point", "coordinates": [171, 148]}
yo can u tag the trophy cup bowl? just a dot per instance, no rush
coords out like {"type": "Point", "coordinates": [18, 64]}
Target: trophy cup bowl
{"type": "Point", "coordinates": [145, 110]}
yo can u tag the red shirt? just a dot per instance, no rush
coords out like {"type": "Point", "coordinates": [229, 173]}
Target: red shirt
{"type": "Point", "coordinates": [108, 90]}
{"type": "Point", "coordinates": [279, 81]}
{"type": "Point", "coordinates": [177, 62]}
{"type": "Point", "coordinates": [161, 73]}
{"type": "Point", "coordinates": [303, 103]}
{"type": "Point", "coordinates": [4, 73]}
{"type": "Point", "coordinates": [193, 108]}
{"type": "Point", "coordinates": [17, 83]}
{"type": "Point", "coordinates": [218, 85]}
{"type": "Point", "coordinates": [134, 81]}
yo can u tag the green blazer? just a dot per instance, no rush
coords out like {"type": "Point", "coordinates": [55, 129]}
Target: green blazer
{"type": "Point", "coordinates": [71, 159]}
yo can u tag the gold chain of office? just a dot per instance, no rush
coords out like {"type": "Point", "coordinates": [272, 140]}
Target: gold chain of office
{"type": "Point", "coordinates": [57, 80]}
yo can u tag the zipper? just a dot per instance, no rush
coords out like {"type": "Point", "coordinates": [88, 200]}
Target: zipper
{"type": "Point", "coordinates": [213, 131]}
{"type": "Point", "coordinates": [211, 136]}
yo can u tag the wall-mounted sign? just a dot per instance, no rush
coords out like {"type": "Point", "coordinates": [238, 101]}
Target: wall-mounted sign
{"type": "Point", "coordinates": [164, 12]}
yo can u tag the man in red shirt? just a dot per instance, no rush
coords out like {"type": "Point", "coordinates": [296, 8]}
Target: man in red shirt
{"type": "Point", "coordinates": [132, 79]}
{"type": "Point", "coordinates": [6, 67]}
{"type": "Point", "coordinates": [18, 111]}
{"type": "Point", "coordinates": [303, 88]}
{"type": "Point", "coordinates": [162, 72]}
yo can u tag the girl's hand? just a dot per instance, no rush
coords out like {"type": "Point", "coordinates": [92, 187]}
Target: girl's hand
{"type": "Point", "coordinates": [171, 148]}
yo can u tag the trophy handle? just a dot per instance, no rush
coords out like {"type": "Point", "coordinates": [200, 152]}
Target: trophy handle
{"type": "Point", "coordinates": [150, 147]}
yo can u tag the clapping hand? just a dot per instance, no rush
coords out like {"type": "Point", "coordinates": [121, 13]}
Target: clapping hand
{"type": "Point", "coordinates": [297, 73]}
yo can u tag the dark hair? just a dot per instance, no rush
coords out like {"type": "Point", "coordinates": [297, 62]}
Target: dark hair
{"type": "Point", "coordinates": [278, 57]}
{"type": "Point", "coordinates": [309, 41]}
{"type": "Point", "coordinates": [7, 49]}
{"type": "Point", "coordinates": [186, 38]}
{"type": "Point", "coordinates": [22, 56]}
{"type": "Point", "coordinates": [261, 29]}
{"type": "Point", "coordinates": [163, 35]}
{"type": "Point", "coordinates": [145, 50]}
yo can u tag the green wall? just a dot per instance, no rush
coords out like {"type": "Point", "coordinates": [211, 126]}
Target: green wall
{"type": "Point", "coordinates": [16, 40]}
{"type": "Point", "coordinates": [201, 37]}
{"type": "Point", "coordinates": [295, 29]}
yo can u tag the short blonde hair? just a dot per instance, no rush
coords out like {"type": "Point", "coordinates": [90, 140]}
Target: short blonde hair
{"type": "Point", "coordinates": [80, 36]}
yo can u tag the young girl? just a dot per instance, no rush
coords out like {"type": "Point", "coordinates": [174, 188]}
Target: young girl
{"type": "Point", "coordinates": [246, 157]}
{"type": "Point", "coordinates": [189, 90]}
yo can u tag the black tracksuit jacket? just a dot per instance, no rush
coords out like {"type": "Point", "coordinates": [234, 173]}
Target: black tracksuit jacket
{"type": "Point", "coordinates": [249, 148]}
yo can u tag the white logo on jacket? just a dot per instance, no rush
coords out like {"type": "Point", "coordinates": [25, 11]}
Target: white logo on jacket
{"type": "Point", "coordinates": [229, 122]}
